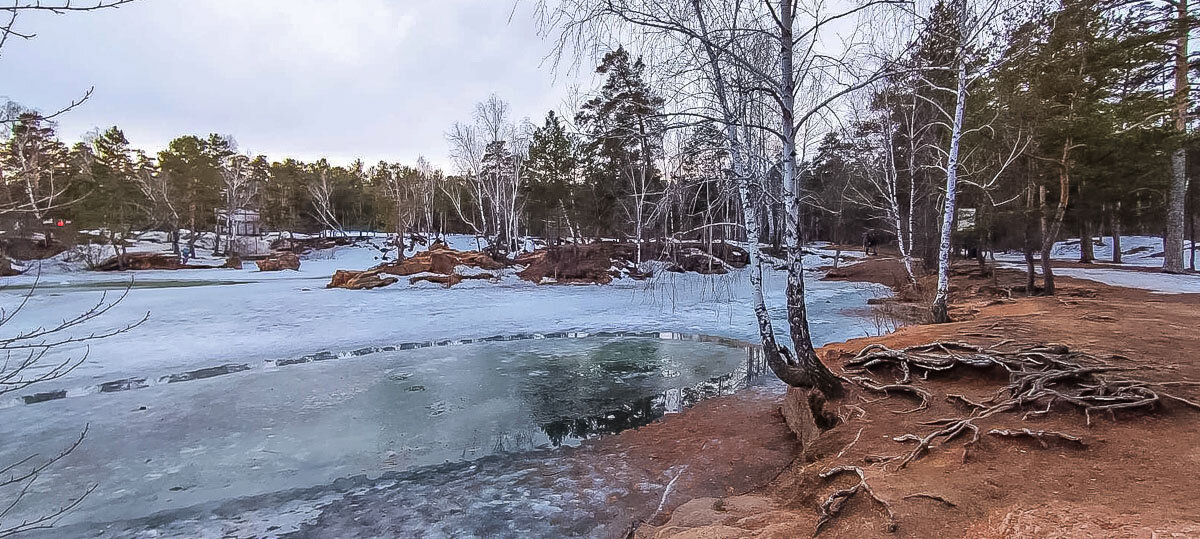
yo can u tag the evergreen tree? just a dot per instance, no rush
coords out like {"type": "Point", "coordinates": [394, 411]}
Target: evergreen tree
{"type": "Point", "coordinates": [550, 173]}
{"type": "Point", "coordinates": [625, 125]}
{"type": "Point", "coordinates": [192, 166]}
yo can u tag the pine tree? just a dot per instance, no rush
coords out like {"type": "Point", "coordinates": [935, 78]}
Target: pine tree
{"type": "Point", "coordinates": [626, 127]}
{"type": "Point", "coordinates": [192, 166]}
{"type": "Point", "coordinates": [550, 172]}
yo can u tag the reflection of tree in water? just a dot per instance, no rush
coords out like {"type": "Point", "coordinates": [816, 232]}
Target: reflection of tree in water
{"type": "Point", "coordinates": [645, 410]}
{"type": "Point", "coordinates": [579, 385]}
{"type": "Point", "coordinates": [627, 357]}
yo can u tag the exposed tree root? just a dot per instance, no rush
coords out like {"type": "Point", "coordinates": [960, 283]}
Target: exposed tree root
{"type": "Point", "coordinates": [1039, 378]}
{"type": "Point", "coordinates": [933, 497]}
{"type": "Point", "coordinates": [953, 429]}
{"type": "Point", "coordinates": [887, 389]}
{"type": "Point", "coordinates": [833, 504]}
{"type": "Point", "coordinates": [1040, 435]}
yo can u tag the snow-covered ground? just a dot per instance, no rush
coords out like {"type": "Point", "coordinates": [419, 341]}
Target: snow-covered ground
{"type": "Point", "coordinates": [1163, 283]}
{"type": "Point", "coordinates": [1136, 252]}
{"type": "Point", "coordinates": [205, 317]}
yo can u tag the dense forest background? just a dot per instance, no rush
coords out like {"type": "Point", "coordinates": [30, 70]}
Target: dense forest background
{"type": "Point", "coordinates": [1071, 125]}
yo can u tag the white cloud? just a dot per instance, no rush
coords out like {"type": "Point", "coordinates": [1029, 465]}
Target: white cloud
{"type": "Point", "coordinates": [375, 79]}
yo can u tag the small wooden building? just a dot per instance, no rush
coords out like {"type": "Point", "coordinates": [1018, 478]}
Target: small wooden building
{"type": "Point", "coordinates": [243, 223]}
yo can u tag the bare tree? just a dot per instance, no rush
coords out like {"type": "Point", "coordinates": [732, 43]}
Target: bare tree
{"type": "Point", "coordinates": [160, 206]}
{"type": "Point", "coordinates": [36, 170]}
{"type": "Point", "coordinates": [489, 154]}
{"type": "Point", "coordinates": [973, 23]}
{"type": "Point", "coordinates": [752, 55]}
{"type": "Point", "coordinates": [237, 189]}
{"type": "Point", "coordinates": [467, 149]}
{"type": "Point", "coordinates": [35, 356]}
{"type": "Point", "coordinates": [427, 181]}
{"type": "Point", "coordinates": [9, 15]}
{"type": "Point", "coordinates": [885, 192]}
{"type": "Point", "coordinates": [404, 188]}
{"type": "Point", "coordinates": [320, 191]}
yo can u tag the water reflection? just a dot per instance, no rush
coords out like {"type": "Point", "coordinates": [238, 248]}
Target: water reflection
{"type": "Point", "coordinates": [643, 411]}
{"type": "Point", "coordinates": [405, 414]}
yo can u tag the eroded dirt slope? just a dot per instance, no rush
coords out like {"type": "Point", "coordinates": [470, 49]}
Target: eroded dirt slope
{"type": "Point", "coordinates": [1135, 477]}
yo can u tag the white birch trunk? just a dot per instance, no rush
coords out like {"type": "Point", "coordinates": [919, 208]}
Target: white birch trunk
{"type": "Point", "coordinates": [940, 313]}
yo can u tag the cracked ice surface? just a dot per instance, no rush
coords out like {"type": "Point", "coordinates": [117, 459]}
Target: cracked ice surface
{"type": "Point", "coordinates": [278, 449]}
{"type": "Point", "coordinates": [202, 318]}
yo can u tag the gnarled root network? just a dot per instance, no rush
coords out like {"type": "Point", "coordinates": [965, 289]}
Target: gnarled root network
{"type": "Point", "coordinates": [1039, 377]}
{"type": "Point", "coordinates": [833, 504]}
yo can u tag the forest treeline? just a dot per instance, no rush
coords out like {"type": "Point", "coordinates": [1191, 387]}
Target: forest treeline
{"type": "Point", "coordinates": [511, 179]}
{"type": "Point", "coordinates": [1055, 119]}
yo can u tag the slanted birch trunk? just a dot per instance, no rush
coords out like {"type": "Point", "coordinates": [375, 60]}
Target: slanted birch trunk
{"type": "Point", "coordinates": [940, 309]}
{"type": "Point", "coordinates": [805, 356]}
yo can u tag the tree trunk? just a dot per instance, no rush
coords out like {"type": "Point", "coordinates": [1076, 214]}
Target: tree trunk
{"type": "Point", "coordinates": [1050, 230]}
{"type": "Point", "coordinates": [1192, 230]}
{"type": "Point", "coordinates": [817, 373]}
{"type": "Point", "coordinates": [940, 309]}
{"type": "Point", "coordinates": [1192, 233]}
{"type": "Point", "coordinates": [1177, 193]}
{"type": "Point", "coordinates": [1087, 252]}
{"type": "Point", "coordinates": [1116, 234]}
{"type": "Point", "coordinates": [1027, 245]}
{"type": "Point", "coordinates": [790, 374]}
{"type": "Point", "coordinates": [1047, 244]}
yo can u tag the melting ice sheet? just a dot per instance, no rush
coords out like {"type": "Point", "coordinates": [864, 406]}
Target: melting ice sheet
{"type": "Point", "coordinates": [271, 445]}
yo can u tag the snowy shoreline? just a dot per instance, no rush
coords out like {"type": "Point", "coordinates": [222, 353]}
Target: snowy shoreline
{"type": "Point", "coordinates": [199, 319]}
{"type": "Point", "coordinates": [204, 373]}
{"type": "Point", "coordinates": [1138, 254]}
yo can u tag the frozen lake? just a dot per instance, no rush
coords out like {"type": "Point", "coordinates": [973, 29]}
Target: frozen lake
{"type": "Point", "coordinates": [177, 445]}
{"type": "Point", "coordinates": [249, 402]}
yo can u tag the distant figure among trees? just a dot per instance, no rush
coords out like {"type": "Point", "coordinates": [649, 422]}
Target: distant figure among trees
{"type": "Point", "coordinates": [869, 242]}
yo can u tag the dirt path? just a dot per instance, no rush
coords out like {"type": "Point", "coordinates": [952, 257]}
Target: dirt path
{"type": "Point", "coordinates": [1135, 478]}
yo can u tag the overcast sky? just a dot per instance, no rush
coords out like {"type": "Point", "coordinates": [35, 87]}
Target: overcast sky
{"type": "Point", "coordinates": [376, 79]}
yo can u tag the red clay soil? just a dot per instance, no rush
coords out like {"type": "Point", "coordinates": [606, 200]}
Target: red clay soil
{"type": "Point", "coordinates": [601, 262]}
{"type": "Point", "coordinates": [279, 261]}
{"type": "Point", "coordinates": [438, 259]}
{"type": "Point", "coordinates": [719, 447]}
{"type": "Point", "coordinates": [590, 263]}
{"type": "Point", "coordinates": [1135, 478]}
{"type": "Point", "coordinates": [148, 261]}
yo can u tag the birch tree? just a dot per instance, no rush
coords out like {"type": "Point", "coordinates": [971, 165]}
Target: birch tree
{"type": "Point", "coordinates": [426, 188]}
{"type": "Point", "coordinates": [237, 189]}
{"type": "Point", "coordinates": [971, 25]}
{"type": "Point", "coordinates": [320, 190]}
{"type": "Point", "coordinates": [749, 53]}
{"type": "Point", "coordinates": [885, 191]}
{"type": "Point", "coordinates": [35, 171]}
{"type": "Point", "coordinates": [489, 154]}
